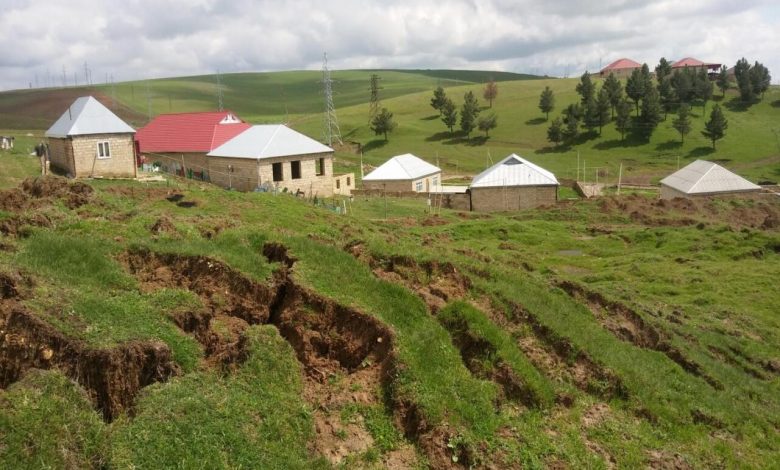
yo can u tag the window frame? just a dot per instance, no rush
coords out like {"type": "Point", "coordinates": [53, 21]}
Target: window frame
{"type": "Point", "coordinates": [320, 166]}
{"type": "Point", "coordinates": [274, 167]}
{"type": "Point", "coordinates": [103, 150]}
{"type": "Point", "coordinates": [295, 170]}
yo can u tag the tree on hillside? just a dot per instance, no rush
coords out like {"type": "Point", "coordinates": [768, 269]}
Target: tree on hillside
{"type": "Point", "coordinates": [662, 70]}
{"type": "Point", "coordinates": [704, 89]}
{"type": "Point", "coordinates": [666, 92]}
{"type": "Point", "coordinates": [491, 91]}
{"type": "Point", "coordinates": [635, 88]}
{"type": "Point", "coordinates": [383, 123]}
{"type": "Point", "coordinates": [651, 111]}
{"type": "Point", "coordinates": [759, 79]}
{"type": "Point", "coordinates": [723, 80]}
{"type": "Point", "coordinates": [682, 83]}
{"type": "Point", "coordinates": [742, 74]}
{"type": "Point", "coordinates": [439, 97]}
{"type": "Point", "coordinates": [614, 90]}
{"type": "Point", "coordinates": [590, 117]}
{"type": "Point", "coordinates": [682, 123]}
{"type": "Point", "coordinates": [715, 128]}
{"type": "Point", "coordinates": [572, 116]}
{"type": "Point", "coordinates": [547, 102]}
{"type": "Point", "coordinates": [623, 118]}
{"type": "Point", "coordinates": [469, 113]}
{"type": "Point", "coordinates": [486, 123]}
{"type": "Point", "coordinates": [586, 88]}
{"type": "Point", "coordinates": [602, 108]}
{"type": "Point", "coordinates": [449, 115]}
{"type": "Point", "coordinates": [555, 131]}
{"type": "Point", "coordinates": [647, 77]}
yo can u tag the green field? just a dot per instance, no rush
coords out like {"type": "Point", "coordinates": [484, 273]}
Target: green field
{"type": "Point", "coordinates": [621, 332]}
{"type": "Point", "coordinates": [751, 146]}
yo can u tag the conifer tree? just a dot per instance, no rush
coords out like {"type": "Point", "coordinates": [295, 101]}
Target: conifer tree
{"type": "Point", "coordinates": [547, 102]}
{"type": "Point", "coordinates": [682, 123]}
{"type": "Point", "coordinates": [715, 128]}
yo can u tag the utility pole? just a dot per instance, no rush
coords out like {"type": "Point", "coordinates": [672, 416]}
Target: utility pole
{"type": "Point", "coordinates": [64, 77]}
{"type": "Point", "coordinates": [332, 131]}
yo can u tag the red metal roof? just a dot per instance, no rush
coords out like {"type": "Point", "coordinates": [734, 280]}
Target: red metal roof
{"type": "Point", "coordinates": [189, 132]}
{"type": "Point", "coordinates": [622, 64]}
{"type": "Point", "coordinates": [688, 62]}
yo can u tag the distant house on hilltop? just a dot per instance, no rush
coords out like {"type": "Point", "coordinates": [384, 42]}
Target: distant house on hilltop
{"type": "Point", "coordinates": [622, 68]}
{"type": "Point", "coordinates": [702, 178]}
{"type": "Point", "coordinates": [404, 173]}
{"type": "Point", "coordinates": [514, 183]}
{"type": "Point", "coordinates": [222, 148]}
{"type": "Point", "coordinates": [689, 62]}
{"type": "Point", "coordinates": [88, 140]}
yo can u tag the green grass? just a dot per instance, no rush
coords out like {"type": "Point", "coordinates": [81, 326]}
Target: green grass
{"type": "Point", "coordinates": [47, 421]}
{"type": "Point", "coordinates": [254, 418]}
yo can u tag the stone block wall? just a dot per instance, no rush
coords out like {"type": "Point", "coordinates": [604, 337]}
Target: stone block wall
{"type": "Point", "coordinates": [78, 156]}
{"type": "Point", "coordinates": [512, 198]}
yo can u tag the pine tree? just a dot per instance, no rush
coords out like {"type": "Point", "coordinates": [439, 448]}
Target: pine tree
{"type": "Point", "coordinates": [635, 88]}
{"type": "Point", "coordinates": [651, 111]}
{"type": "Point", "coordinates": [602, 108]}
{"type": "Point", "coordinates": [572, 117]}
{"type": "Point", "coordinates": [715, 128]}
{"type": "Point", "coordinates": [667, 95]}
{"type": "Point", "coordinates": [383, 123]}
{"type": "Point", "coordinates": [469, 113]}
{"type": "Point", "coordinates": [586, 88]}
{"type": "Point", "coordinates": [759, 79]}
{"type": "Point", "coordinates": [704, 88]}
{"type": "Point", "coordinates": [555, 131]}
{"type": "Point", "coordinates": [723, 80]}
{"type": "Point", "coordinates": [590, 116]}
{"type": "Point", "coordinates": [491, 91]}
{"type": "Point", "coordinates": [486, 123]}
{"type": "Point", "coordinates": [682, 123]}
{"type": "Point", "coordinates": [742, 74]}
{"type": "Point", "coordinates": [439, 97]}
{"type": "Point", "coordinates": [662, 70]}
{"type": "Point", "coordinates": [614, 90]}
{"type": "Point", "coordinates": [682, 83]}
{"type": "Point", "coordinates": [623, 118]}
{"type": "Point", "coordinates": [449, 115]}
{"type": "Point", "coordinates": [547, 102]}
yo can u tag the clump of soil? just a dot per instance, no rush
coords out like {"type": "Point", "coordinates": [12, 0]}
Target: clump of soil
{"type": "Point", "coordinates": [163, 225]}
{"type": "Point", "coordinates": [112, 377]}
{"type": "Point", "coordinates": [629, 326]}
{"type": "Point", "coordinates": [34, 192]}
{"type": "Point", "coordinates": [17, 224]}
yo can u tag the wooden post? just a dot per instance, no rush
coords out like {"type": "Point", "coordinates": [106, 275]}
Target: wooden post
{"type": "Point", "coordinates": [620, 177]}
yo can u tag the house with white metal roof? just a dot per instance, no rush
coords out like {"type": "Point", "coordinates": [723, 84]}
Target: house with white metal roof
{"type": "Point", "coordinates": [703, 178]}
{"type": "Point", "coordinates": [404, 173]}
{"type": "Point", "coordinates": [513, 183]}
{"type": "Point", "coordinates": [88, 140]}
{"type": "Point", "coordinates": [273, 156]}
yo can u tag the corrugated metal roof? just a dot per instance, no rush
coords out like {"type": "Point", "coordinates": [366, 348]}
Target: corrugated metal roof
{"type": "Point", "coordinates": [402, 167]}
{"type": "Point", "coordinates": [88, 116]}
{"type": "Point", "coordinates": [703, 177]}
{"type": "Point", "coordinates": [268, 141]}
{"type": "Point", "coordinates": [514, 171]}
{"type": "Point", "coordinates": [189, 132]}
{"type": "Point", "coordinates": [688, 62]}
{"type": "Point", "coordinates": [622, 64]}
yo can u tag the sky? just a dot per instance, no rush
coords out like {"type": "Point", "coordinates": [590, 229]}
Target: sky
{"type": "Point", "coordinates": [46, 42]}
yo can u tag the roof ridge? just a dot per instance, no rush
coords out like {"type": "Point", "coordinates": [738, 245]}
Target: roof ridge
{"type": "Point", "coordinates": [273, 136]}
{"type": "Point", "coordinates": [699, 180]}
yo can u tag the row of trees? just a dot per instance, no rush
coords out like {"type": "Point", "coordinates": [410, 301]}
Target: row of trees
{"type": "Point", "coordinates": [469, 111]}
{"type": "Point", "coordinates": [752, 80]}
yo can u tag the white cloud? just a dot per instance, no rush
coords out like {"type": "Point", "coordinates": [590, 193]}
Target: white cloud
{"type": "Point", "coordinates": [135, 39]}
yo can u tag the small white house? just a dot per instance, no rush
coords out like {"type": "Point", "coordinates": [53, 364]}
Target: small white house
{"type": "Point", "coordinates": [702, 178]}
{"type": "Point", "coordinates": [513, 183]}
{"type": "Point", "coordinates": [404, 173]}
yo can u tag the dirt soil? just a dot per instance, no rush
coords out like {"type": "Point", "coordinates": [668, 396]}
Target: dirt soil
{"type": "Point", "coordinates": [112, 377]}
{"type": "Point", "coordinates": [44, 190]}
{"type": "Point", "coordinates": [763, 213]}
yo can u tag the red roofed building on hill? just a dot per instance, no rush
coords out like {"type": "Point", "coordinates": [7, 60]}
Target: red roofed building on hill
{"type": "Point", "coordinates": [622, 68]}
{"type": "Point", "coordinates": [690, 62]}
{"type": "Point", "coordinates": [179, 141]}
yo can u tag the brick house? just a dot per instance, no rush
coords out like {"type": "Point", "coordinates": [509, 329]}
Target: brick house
{"type": "Point", "coordinates": [701, 179]}
{"type": "Point", "coordinates": [404, 173]}
{"type": "Point", "coordinates": [273, 156]}
{"type": "Point", "coordinates": [179, 142]}
{"type": "Point", "coordinates": [514, 183]}
{"type": "Point", "coordinates": [622, 68]}
{"type": "Point", "coordinates": [88, 140]}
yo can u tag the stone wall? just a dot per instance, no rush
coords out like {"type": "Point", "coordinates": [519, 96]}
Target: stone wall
{"type": "Point", "coordinates": [428, 182]}
{"type": "Point", "coordinates": [343, 184]}
{"type": "Point", "coordinates": [512, 198]}
{"type": "Point", "coordinates": [61, 155]}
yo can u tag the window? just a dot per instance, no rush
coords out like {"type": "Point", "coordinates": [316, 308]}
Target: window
{"type": "Point", "coordinates": [103, 150]}
{"type": "Point", "coordinates": [295, 169]}
{"type": "Point", "coordinates": [418, 186]}
{"type": "Point", "coordinates": [277, 171]}
{"type": "Point", "coordinates": [349, 181]}
{"type": "Point", "coordinates": [320, 166]}
{"type": "Point", "coordinates": [338, 183]}
{"type": "Point", "coordinates": [435, 181]}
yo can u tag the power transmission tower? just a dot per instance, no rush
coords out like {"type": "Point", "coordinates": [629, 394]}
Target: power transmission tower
{"type": "Point", "coordinates": [373, 102]}
{"type": "Point", "coordinates": [332, 132]}
{"type": "Point", "coordinates": [219, 90]}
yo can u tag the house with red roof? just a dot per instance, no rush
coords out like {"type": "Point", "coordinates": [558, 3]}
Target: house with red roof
{"type": "Point", "coordinates": [622, 68]}
{"type": "Point", "coordinates": [690, 62]}
{"type": "Point", "coordinates": [221, 148]}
